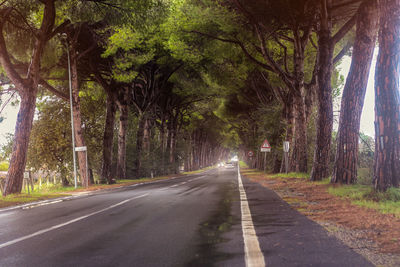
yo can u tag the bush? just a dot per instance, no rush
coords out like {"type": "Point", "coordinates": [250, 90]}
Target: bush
{"type": "Point", "coordinates": [392, 194]}
{"type": "Point", "coordinates": [4, 166]}
{"type": "Point", "coordinates": [365, 176]}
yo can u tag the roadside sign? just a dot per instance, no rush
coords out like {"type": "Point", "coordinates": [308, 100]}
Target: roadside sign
{"type": "Point", "coordinates": [266, 144]}
{"type": "Point", "coordinates": [285, 146]}
{"type": "Point", "coordinates": [265, 147]}
{"type": "Point", "coordinates": [80, 148]}
{"type": "Point", "coordinates": [250, 153]}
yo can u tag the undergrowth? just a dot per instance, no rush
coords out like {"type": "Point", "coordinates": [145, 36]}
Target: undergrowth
{"type": "Point", "coordinates": [300, 175]}
{"type": "Point", "coordinates": [366, 196]}
{"type": "Point", "coordinates": [243, 164]}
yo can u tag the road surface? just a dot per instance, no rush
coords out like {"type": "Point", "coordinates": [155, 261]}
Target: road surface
{"type": "Point", "coordinates": [210, 219]}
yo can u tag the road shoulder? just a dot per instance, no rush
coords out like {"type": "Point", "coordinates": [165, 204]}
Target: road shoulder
{"type": "Point", "coordinates": [288, 238]}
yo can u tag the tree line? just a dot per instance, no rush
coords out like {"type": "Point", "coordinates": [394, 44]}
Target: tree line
{"type": "Point", "coordinates": [157, 85]}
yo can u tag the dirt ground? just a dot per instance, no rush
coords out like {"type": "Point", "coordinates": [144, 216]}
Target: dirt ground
{"type": "Point", "coordinates": [374, 235]}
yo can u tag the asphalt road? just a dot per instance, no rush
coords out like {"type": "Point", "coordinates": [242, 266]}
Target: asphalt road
{"type": "Point", "coordinates": [188, 221]}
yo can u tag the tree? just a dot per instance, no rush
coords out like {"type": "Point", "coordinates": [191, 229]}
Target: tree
{"type": "Point", "coordinates": [291, 36]}
{"type": "Point", "coordinates": [346, 162]}
{"type": "Point", "coordinates": [50, 144]}
{"type": "Point", "coordinates": [326, 45]}
{"type": "Point", "coordinates": [26, 84]}
{"type": "Point", "coordinates": [387, 98]}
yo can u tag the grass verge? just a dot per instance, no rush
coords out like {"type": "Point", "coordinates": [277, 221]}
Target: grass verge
{"type": "Point", "coordinates": [291, 175]}
{"type": "Point", "coordinates": [23, 198]}
{"type": "Point", "coordinates": [364, 195]}
{"type": "Point", "coordinates": [51, 191]}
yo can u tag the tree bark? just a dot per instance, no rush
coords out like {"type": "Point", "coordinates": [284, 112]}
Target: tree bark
{"type": "Point", "coordinates": [15, 174]}
{"type": "Point", "coordinates": [326, 45]}
{"type": "Point", "coordinates": [108, 138]}
{"type": "Point", "coordinates": [139, 145]}
{"type": "Point", "coordinates": [320, 167]}
{"type": "Point", "coordinates": [387, 99]}
{"type": "Point", "coordinates": [76, 111]}
{"type": "Point", "coordinates": [122, 132]}
{"type": "Point", "coordinates": [299, 143]}
{"type": "Point", "coordinates": [288, 114]}
{"type": "Point", "coordinates": [162, 144]}
{"type": "Point", "coordinates": [146, 137]}
{"type": "Point", "coordinates": [172, 145]}
{"type": "Point", "coordinates": [346, 160]}
{"type": "Point", "coordinates": [27, 89]}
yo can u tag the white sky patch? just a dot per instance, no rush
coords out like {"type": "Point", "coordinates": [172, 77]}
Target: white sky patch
{"type": "Point", "coordinates": [7, 126]}
{"type": "Point", "coordinates": [368, 113]}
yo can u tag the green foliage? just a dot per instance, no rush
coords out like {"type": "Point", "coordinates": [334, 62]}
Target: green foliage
{"type": "Point", "coordinates": [15, 199]}
{"type": "Point", "coordinates": [243, 164]}
{"type": "Point", "coordinates": [50, 142]}
{"type": "Point", "coordinates": [7, 148]}
{"type": "Point", "coordinates": [292, 175]}
{"type": "Point", "coordinates": [50, 146]}
{"type": "Point", "coordinates": [366, 196]}
{"type": "Point", "coordinates": [4, 166]}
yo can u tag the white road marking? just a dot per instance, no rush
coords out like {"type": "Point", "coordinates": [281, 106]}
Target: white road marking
{"type": "Point", "coordinates": [253, 254]}
{"type": "Point", "coordinates": [12, 242]}
{"type": "Point", "coordinates": [42, 204]}
{"type": "Point", "coordinates": [182, 183]}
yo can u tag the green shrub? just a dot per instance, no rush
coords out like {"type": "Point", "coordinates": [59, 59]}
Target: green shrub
{"type": "Point", "coordinates": [4, 166]}
{"type": "Point", "coordinates": [392, 194]}
{"type": "Point", "coordinates": [364, 176]}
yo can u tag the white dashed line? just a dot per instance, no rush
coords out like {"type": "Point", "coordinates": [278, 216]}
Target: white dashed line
{"type": "Point", "coordinates": [254, 256]}
{"type": "Point", "coordinates": [12, 242]}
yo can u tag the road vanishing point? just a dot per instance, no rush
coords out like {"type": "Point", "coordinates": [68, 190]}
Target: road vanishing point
{"type": "Point", "coordinates": [216, 218]}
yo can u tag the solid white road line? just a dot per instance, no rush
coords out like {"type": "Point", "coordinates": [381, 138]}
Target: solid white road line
{"type": "Point", "coordinates": [9, 243]}
{"type": "Point", "coordinates": [253, 254]}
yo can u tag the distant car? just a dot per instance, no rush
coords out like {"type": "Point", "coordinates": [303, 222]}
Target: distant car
{"type": "Point", "coordinates": [229, 165]}
{"type": "Point", "coordinates": [221, 164]}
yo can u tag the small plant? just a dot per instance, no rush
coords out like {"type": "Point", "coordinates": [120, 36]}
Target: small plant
{"type": "Point", "coordinates": [392, 194]}
{"type": "Point", "coordinates": [366, 196]}
{"type": "Point", "coordinates": [4, 166]}
{"type": "Point", "coordinates": [243, 164]}
{"type": "Point", "coordinates": [300, 175]}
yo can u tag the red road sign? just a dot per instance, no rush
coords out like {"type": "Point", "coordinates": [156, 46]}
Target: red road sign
{"type": "Point", "coordinates": [265, 147]}
{"type": "Point", "coordinates": [266, 144]}
{"type": "Point", "coordinates": [250, 153]}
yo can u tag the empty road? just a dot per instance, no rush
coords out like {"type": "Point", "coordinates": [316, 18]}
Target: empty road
{"type": "Point", "coordinates": [210, 219]}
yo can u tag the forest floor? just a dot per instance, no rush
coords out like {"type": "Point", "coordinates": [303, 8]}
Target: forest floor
{"type": "Point", "coordinates": [367, 231]}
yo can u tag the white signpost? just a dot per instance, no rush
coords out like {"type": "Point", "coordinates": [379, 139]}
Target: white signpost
{"type": "Point", "coordinates": [265, 147]}
{"type": "Point", "coordinates": [81, 149]}
{"type": "Point", "coordinates": [286, 151]}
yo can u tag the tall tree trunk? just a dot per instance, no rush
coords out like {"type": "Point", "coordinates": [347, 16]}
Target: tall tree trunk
{"type": "Point", "coordinates": [27, 88]}
{"type": "Point", "coordinates": [122, 132]}
{"type": "Point", "coordinates": [172, 145]}
{"type": "Point", "coordinates": [387, 99]}
{"type": "Point", "coordinates": [139, 145]}
{"type": "Point", "coordinates": [76, 110]}
{"type": "Point", "coordinates": [299, 155]}
{"type": "Point", "coordinates": [346, 160]}
{"type": "Point", "coordinates": [326, 45]}
{"type": "Point", "coordinates": [108, 138]}
{"type": "Point", "coordinates": [288, 113]}
{"type": "Point", "coordinates": [320, 167]}
{"type": "Point", "coordinates": [15, 174]}
{"type": "Point", "coordinates": [162, 144]}
{"type": "Point", "coordinates": [299, 143]}
{"type": "Point", "coordinates": [146, 137]}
